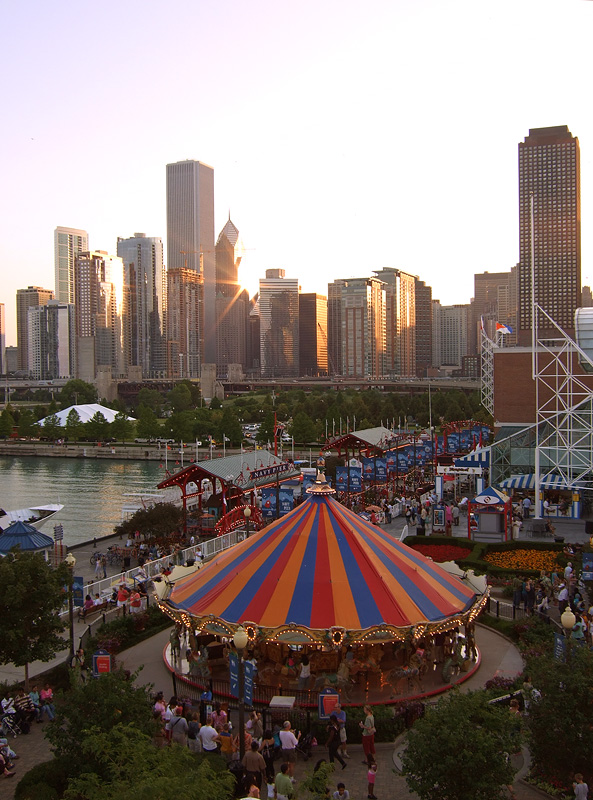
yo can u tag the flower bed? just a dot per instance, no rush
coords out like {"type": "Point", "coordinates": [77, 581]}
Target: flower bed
{"type": "Point", "coordinates": [522, 559]}
{"type": "Point", "coordinates": [442, 552]}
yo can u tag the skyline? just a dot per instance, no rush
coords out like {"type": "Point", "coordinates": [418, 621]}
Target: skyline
{"type": "Point", "coordinates": [341, 142]}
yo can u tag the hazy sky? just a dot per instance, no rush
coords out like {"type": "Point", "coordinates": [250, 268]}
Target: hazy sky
{"type": "Point", "coordinates": [345, 137]}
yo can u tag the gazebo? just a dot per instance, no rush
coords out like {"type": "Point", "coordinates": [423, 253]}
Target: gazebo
{"type": "Point", "coordinates": [26, 537]}
{"type": "Point", "coordinates": [324, 581]}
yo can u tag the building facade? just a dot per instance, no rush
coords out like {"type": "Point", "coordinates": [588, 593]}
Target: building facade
{"type": "Point", "coordinates": [190, 235]}
{"type": "Point", "coordinates": [449, 344]}
{"type": "Point", "coordinates": [184, 323]}
{"type": "Point", "coordinates": [313, 334]}
{"type": "Point", "coordinates": [100, 315]}
{"type": "Point", "coordinates": [232, 302]}
{"type": "Point", "coordinates": [68, 242]}
{"type": "Point", "coordinates": [423, 302]}
{"type": "Point", "coordinates": [145, 289]}
{"type": "Point", "coordinates": [359, 322]}
{"type": "Point", "coordinates": [3, 369]}
{"type": "Point", "coordinates": [31, 297]}
{"type": "Point", "coordinates": [400, 322]}
{"type": "Point", "coordinates": [52, 341]}
{"type": "Point", "coordinates": [549, 170]}
{"type": "Point", "coordinates": [279, 325]}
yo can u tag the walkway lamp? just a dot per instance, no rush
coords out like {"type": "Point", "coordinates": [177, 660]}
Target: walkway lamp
{"type": "Point", "coordinates": [71, 562]}
{"type": "Point", "coordinates": [240, 640]}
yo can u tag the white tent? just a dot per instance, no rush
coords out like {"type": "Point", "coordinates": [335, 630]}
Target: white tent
{"type": "Point", "coordinates": [86, 413]}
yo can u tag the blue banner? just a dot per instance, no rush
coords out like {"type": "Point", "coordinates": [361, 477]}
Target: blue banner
{"type": "Point", "coordinates": [78, 590]}
{"type": "Point", "coordinates": [234, 671]}
{"type": "Point", "coordinates": [559, 647]}
{"type": "Point", "coordinates": [368, 469]}
{"type": "Point", "coordinates": [381, 469]}
{"type": "Point", "coordinates": [342, 479]}
{"type": "Point", "coordinates": [391, 459]}
{"type": "Point", "coordinates": [248, 682]}
{"type": "Point", "coordinates": [268, 503]}
{"type": "Point", "coordinates": [587, 573]}
{"type": "Point", "coordinates": [356, 479]}
{"type": "Point", "coordinates": [286, 498]}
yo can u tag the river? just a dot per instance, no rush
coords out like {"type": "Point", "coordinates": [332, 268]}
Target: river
{"type": "Point", "coordinates": [92, 491]}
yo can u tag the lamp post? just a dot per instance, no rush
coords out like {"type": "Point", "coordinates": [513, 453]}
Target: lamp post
{"type": "Point", "coordinates": [247, 515]}
{"type": "Point", "coordinates": [240, 640]}
{"type": "Point", "coordinates": [568, 621]}
{"type": "Point", "coordinates": [71, 562]}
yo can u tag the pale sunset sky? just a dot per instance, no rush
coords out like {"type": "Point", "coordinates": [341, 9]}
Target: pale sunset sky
{"type": "Point", "coordinates": [345, 136]}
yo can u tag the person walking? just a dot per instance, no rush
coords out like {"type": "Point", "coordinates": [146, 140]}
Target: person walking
{"type": "Point", "coordinates": [333, 741]}
{"type": "Point", "coordinates": [289, 744]}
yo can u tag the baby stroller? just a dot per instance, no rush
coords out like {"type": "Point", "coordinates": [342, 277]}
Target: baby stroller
{"type": "Point", "coordinates": [10, 725]}
{"type": "Point", "coordinates": [305, 746]}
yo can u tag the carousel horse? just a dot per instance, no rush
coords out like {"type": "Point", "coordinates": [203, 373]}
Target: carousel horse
{"type": "Point", "coordinates": [410, 674]}
{"type": "Point", "coordinates": [337, 680]}
{"type": "Point", "coordinates": [453, 663]}
{"type": "Point", "coordinates": [199, 667]}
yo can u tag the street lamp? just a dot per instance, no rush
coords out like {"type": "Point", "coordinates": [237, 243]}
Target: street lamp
{"type": "Point", "coordinates": [247, 515]}
{"type": "Point", "coordinates": [240, 640]}
{"type": "Point", "coordinates": [71, 562]}
{"type": "Point", "coordinates": [568, 621]}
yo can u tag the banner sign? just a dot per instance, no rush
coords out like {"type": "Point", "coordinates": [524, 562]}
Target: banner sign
{"type": "Point", "coordinates": [368, 469]}
{"type": "Point", "coordinates": [101, 663]}
{"type": "Point", "coordinates": [327, 700]}
{"type": "Point", "coordinates": [286, 498]}
{"type": "Point", "coordinates": [342, 479]}
{"type": "Point", "coordinates": [276, 469]}
{"type": "Point", "coordinates": [234, 672]}
{"type": "Point", "coordinates": [381, 469]}
{"type": "Point", "coordinates": [78, 590]}
{"type": "Point", "coordinates": [587, 573]}
{"type": "Point", "coordinates": [559, 647]}
{"type": "Point", "coordinates": [268, 503]}
{"type": "Point", "coordinates": [248, 682]}
{"type": "Point", "coordinates": [356, 479]}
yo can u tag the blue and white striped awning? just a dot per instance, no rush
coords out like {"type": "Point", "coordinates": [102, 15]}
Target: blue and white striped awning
{"type": "Point", "coordinates": [550, 481]}
{"type": "Point", "coordinates": [477, 458]}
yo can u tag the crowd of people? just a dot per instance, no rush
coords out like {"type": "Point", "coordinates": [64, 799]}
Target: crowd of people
{"type": "Point", "coordinates": [263, 747]}
{"type": "Point", "coordinates": [19, 710]}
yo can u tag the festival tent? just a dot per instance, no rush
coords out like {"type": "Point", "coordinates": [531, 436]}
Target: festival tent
{"type": "Point", "coordinates": [86, 412]}
{"type": "Point", "coordinates": [317, 572]}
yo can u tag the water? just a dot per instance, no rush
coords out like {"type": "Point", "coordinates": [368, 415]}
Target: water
{"type": "Point", "coordinates": [92, 491]}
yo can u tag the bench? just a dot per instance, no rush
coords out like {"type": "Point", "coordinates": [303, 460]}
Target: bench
{"type": "Point", "coordinates": [84, 615]}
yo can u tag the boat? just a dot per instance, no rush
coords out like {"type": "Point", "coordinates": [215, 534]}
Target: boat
{"type": "Point", "coordinates": [34, 515]}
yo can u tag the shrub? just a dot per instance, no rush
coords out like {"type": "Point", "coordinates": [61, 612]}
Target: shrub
{"type": "Point", "coordinates": [46, 781]}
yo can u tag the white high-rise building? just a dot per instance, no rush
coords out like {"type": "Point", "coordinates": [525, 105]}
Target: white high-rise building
{"type": "Point", "coordinates": [68, 242]}
{"type": "Point", "coordinates": [2, 339]}
{"type": "Point", "coordinates": [190, 234]}
{"type": "Point", "coordinates": [279, 325]}
{"type": "Point", "coordinates": [145, 287]}
{"type": "Point", "coordinates": [52, 341]}
{"type": "Point", "coordinates": [449, 334]}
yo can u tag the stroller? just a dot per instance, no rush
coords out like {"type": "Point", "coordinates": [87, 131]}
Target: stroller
{"type": "Point", "coordinates": [10, 725]}
{"type": "Point", "coordinates": [305, 746]}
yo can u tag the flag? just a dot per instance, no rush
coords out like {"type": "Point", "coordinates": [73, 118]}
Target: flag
{"type": "Point", "coordinates": [500, 328]}
{"type": "Point", "coordinates": [481, 323]}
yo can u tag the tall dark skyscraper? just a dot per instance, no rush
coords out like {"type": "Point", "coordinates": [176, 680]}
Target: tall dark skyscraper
{"type": "Point", "coordinates": [190, 235]}
{"type": "Point", "coordinates": [549, 167]}
{"type": "Point", "coordinates": [232, 301]}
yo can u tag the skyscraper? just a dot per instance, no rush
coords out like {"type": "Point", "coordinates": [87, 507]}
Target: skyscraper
{"type": "Point", "coordinates": [2, 339]}
{"type": "Point", "coordinates": [32, 296]}
{"type": "Point", "coordinates": [549, 168]}
{"type": "Point", "coordinates": [279, 325]}
{"type": "Point", "coordinates": [145, 288]}
{"type": "Point", "coordinates": [400, 321]}
{"type": "Point", "coordinates": [232, 301]}
{"type": "Point", "coordinates": [190, 234]}
{"type": "Point", "coordinates": [52, 341]}
{"type": "Point", "coordinates": [67, 243]}
{"type": "Point", "coordinates": [100, 325]}
{"type": "Point", "coordinates": [423, 301]}
{"type": "Point", "coordinates": [184, 323]}
{"type": "Point", "coordinates": [312, 334]}
{"type": "Point", "coordinates": [449, 335]}
{"type": "Point", "coordinates": [357, 315]}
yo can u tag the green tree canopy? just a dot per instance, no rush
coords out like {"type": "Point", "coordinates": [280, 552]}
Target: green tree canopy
{"type": "Point", "coordinates": [6, 423]}
{"type": "Point", "coordinates": [459, 750]}
{"type": "Point", "coordinates": [77, 392]}
{"type": "Point", "coordinates": [265, 433]}
{"type": "Point", "coordinates": [150, 398]}
{"type": "Point", "coordinates": [26, 424]}
{"type": "Point", "coordinates": [130, 766]}
{"type": "Point", "coordinates": [180, 397]}
{"type": "Point", "coordinates": [52, 428]}
{"type": "Point", "coordinates": [303, 429]}
{"type": "Point", "coordinates": [159, 520]}
{"type": "Point", "coordinates": [73, 425]}
{"type": "Point", "coordinates": [97, 428]}
{"type": "Point", "coordinates": [566, 690]}
{"type": "Point", "coordinates": [98, 706]}
{"type": "Point", "coordinates": [31, 595]}
{"type": "Point", "coordinates": [147, 425]}
{"type": "Point", "coordinates": [121, 428]}
{"type": "Point", "coordinates": [230, 427]}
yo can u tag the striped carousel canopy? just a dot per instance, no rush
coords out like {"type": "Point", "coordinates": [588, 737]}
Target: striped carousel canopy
{"type": "Point", "coordinates": [320, 567]}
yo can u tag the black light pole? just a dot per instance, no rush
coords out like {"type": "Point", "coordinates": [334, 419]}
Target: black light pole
{"type": "Point", "coordinates": [240, 641]}
{"type": "Point", "coordinates": [247, 515]}
{"type": "Point", "coordinates": [71, 562]}
{"type": "Point", "coordinates": [568, 621]}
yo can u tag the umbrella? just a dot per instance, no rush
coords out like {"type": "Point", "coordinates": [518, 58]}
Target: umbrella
{"type": "Point", "coordinates": [373, 508]}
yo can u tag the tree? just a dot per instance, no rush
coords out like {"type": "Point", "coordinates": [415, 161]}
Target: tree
{"type": "Point", "coordinates": [73, 425]}
{"type": "Point", "coordinates": [51, 427]}
{"type": "Point", "coordinates": [159, 520]}
{"type": "Point", "coordinates": [265, 433]}
{"type": "Point", "coordinates": [100, 704]}
{"type": "Point", "coordinates": [77, 392]}
{"type": "Point", "coordinates": [459, 750]}
{"type": "Point", "coordinates": [303, 429]}
{"type": "Point", "coordinates": [27, 427]}
{"type": "Point", "coordinates": [121, 427]}
{"type": "Point", "coordinates": [150, 398]}
{"type": "Point", "coordinates": [97, 428]}
{"type": "Point", "coordinates": [180, 397]}
{"type": "Point", "coordinates": [566, 700]}
{"type": "Point", "coordinates": [173, 771]}
{"type": "Point", "coordinates": [180, 426]}
{"type": "Point", "coordinates": [230, 427]}
{"type": "Point", "coordinates": [147, 426]}
{"type": "Point", "coordinates": [6, 423]}
{"type": "Point", "coordinates": [31, 595]}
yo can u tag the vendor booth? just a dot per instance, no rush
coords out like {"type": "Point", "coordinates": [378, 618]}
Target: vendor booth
{"type": "Point", "coordinates": [556, 498]}
{"type": "Point", "coordinates": [491, 511]}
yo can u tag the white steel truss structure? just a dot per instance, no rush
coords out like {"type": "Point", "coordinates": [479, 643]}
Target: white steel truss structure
{"type": "Point", "coordinates": [564, 427]}
{"type": "Point", "coordinates": [487, 347]}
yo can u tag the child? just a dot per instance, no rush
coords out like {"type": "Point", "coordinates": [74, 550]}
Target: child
{"type": "Point", "coordinates": [371, 778]}
{"type": "Point", "coordinates": [342, 793]}
{"type": "Point", "coordinates": [581, 790]}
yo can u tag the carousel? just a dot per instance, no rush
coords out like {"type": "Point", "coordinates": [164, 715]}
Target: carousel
{"type": "Point", "coordinates": [374, 618]}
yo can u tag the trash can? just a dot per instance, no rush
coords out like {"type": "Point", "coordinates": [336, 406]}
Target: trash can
{"type": "Point", "coordinates": [126, 563]}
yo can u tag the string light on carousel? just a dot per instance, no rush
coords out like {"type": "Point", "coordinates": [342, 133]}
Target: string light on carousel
{"type": "Point", "coordinates": [369, 612]}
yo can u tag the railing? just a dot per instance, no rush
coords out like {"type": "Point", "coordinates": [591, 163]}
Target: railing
{"type": "Point", "coordinates": [504, 610]}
